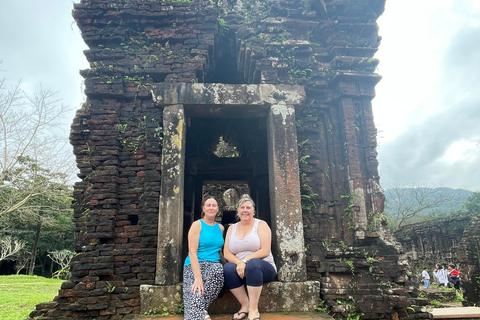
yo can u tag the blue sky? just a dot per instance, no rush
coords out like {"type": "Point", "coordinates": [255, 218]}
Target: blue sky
{"type": "Point", "coordinates": [427, 108]}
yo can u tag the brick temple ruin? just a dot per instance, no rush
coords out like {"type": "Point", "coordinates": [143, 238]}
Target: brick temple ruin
{"type": "Point", "coordinates": [453, 239]}
{"type": "Point", "coordinates": [288, 85]}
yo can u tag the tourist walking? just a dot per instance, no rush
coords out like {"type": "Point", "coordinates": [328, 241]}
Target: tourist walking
{"type": "Point", "coordinates": [453, 276]}
{"type": "Point", "coordinates": [203, 273]}
{"type": "Point", "coordinates": [425, 278]}
{"type": "Point", "coordinates": [250, 261]}
{"type": "Point", "coordinates": [441, 275]}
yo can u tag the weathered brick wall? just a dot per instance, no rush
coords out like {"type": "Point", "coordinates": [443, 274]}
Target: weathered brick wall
{"type": "Point", "coordinates": [469, 259]}
{"type": "Point", "coordinates": [432, 242]}
{"type": "Point", "coordinates": [450, 240]}
{"type": "Point", "coordinates": [327, 46]}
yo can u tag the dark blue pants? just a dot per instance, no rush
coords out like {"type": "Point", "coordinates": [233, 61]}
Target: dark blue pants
{"type": "Point", "coordinates": [257, 273]}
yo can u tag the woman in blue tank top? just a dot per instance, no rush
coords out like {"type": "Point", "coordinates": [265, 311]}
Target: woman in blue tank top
{"type": "Point", "coordinates": [203, 272]}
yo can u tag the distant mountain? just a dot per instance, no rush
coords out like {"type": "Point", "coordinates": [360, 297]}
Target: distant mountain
{"type": "Point", "coordinates": [451, 199]}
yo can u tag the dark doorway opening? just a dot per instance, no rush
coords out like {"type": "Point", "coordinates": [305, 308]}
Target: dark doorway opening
{"type": "Point", "coordinates": [243, 165]}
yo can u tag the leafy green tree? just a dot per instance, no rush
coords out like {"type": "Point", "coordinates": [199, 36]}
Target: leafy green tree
{"type": "Point", "coordinates": [44, 222]}
{"type": "Point", "coordinates": [36, 165]}
{"type": "Point", "coordinates": [473, 202]}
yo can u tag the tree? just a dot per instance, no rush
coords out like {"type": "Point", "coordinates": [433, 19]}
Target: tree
{"type": "Point", "coordinates": [21, 261]}
{"type": "Point", "coordinates": [403, 204]}
{"type": "Point", "coordinates": [44, 224]}
{"type": "Point", "coordinates": [473, 203]}
{"type": "Point", "coordinates": [63, 259]}
{"type": "Point", "coordinates": [10, 247]}
{"type": "Point", "coordinates": [29, 141]}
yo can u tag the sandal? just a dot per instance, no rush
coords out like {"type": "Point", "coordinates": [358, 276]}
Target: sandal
{"type": "Point", "coordinates": [207, 317]}
{"type": "Point", "coordinates": [245, 315]}
{"type": "Point", "coordinates": [257, 318]}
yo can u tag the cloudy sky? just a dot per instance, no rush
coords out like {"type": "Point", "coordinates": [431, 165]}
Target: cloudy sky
{"type": "Point", "coordinates": [427, 108]}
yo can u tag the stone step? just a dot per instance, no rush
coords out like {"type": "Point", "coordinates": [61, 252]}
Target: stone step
{"type": "Point", "coordinates": [456, 313]}
{"type": "Point", "coordinates": [265, 316]}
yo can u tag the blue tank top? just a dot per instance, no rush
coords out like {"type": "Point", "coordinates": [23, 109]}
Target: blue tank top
{"type": "Point", "coordinates": [209, 244]}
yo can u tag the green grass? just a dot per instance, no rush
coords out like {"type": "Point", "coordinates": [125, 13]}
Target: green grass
{"type": "Point", "coordinates": [19, 294]}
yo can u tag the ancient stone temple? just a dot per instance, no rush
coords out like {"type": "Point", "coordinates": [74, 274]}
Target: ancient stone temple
{"type": "Point", "coordinates": [454, 240]}
{"type": "Point", "coordinates": [286, 86]}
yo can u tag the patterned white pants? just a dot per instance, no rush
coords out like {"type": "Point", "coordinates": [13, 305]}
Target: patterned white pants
{"type": "Point", "coordinates": [195, 305]}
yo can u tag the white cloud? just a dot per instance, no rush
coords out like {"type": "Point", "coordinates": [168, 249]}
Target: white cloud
{"type": "Point", "coordinates": [427, 104]}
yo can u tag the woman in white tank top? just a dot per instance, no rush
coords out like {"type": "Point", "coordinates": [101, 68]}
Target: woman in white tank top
{"type": "Point", "coordinates": [250, 261]}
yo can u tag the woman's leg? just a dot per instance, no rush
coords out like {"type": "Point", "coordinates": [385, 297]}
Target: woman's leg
{"type": "Point", "coordinates": [212, 275]}
{"type": "Point", "coordinates": [237, 287]}
{"type": "Point", "coordinates": [254, 295]}
{"type": "Point", "coordinates": [193, 303]}
{"type": "Point", "coordinates": [258, 272]}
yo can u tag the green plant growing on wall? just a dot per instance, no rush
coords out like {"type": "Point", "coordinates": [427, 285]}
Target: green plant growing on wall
{"type": "Point", "coordinates": [303, 159]}
{"type": "Point", "coordinates": [307, 197]}
{"type": "Point", "coordinates": [325, 172]}
{"type": "Point", "coordinates": [322, 306]}
{"type": "Point", "coordinates": [370, 258]}
{"type": "Point", "coordinates": [222, 28]}
{"type": "Point", "coordinates": [307, 203]}
{"type": "Point", "coordinates": [122, 127]}
{"type": "Point", "coordinates": [349, 263]}
{"type": "Point", "coordinates": [353, 314]}
{"type": "Point", "coordinates": [110, 287]}
{"type": "Point", "coordinates": [330, 129]}
{"type": "Point", "coordinates": [348, 198]}
{"type": "Point", "coordinates": [299, 75]}
{"type": "Point", "coordinates": [302, 143]}
{"type": "Point", "coordinates": [164, 312]}
{"type": "Point", "coordinates": [138, 80]}
{"type": "Point", "coordinates": [158, 133]}
{"type": "Point", "coordinates": [350, 225]}
{"type": "Point", "coordinates": [131, 139]}
{"type": "Point", "coordinates": [326, 244]}
{"type": "Point", "coordinates": [349, 210]}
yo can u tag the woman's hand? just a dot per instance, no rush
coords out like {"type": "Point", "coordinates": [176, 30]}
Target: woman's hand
{"type": "Point", "coordinates": [198, 285]}
{"type": "Point", "coordinates": [241, 269]}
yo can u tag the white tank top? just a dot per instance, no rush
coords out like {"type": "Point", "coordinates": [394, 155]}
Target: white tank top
{"type": "Point", "coordinates": [242, 248]}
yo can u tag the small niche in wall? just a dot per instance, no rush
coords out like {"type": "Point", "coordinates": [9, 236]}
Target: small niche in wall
{"type": "Point", "coordinates": [133, 219]}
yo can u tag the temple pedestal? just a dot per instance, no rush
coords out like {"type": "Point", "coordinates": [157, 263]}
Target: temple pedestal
{"type": "Point", "coordinates": [276, 297]}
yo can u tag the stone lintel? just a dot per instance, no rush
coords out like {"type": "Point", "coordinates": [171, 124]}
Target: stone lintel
{"type": "Point", "coordinates": [364, 77]}
{"type": "Point", "coordinates": [276, 297]}
{"type": "Point", "coordinates": [226, 94]}
{"type": "Point", "coordinates": [170, 219]}
{"type": "Point", "coordinates": [285, 200]}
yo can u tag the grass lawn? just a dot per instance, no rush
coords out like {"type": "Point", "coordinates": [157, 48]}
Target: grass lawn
{"type": "Point", "coordinates": [20, 293]}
